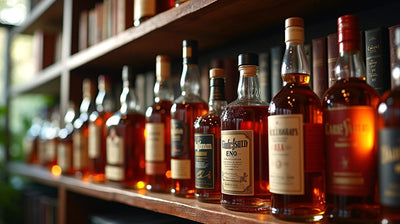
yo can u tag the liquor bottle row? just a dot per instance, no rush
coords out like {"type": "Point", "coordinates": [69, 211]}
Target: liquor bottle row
{"type": "Point", "coordinates": [298, 157]}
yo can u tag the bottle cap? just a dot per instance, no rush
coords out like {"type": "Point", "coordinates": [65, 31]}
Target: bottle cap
{"type": "Point", "coordinates": [294, 29]}
{"type": "Point", "coordinates": [126, 75]}
{"type": "Point", "coordinates": [104, 83]}
{"type": "Point", "coordinates": [248, 59]}
{"type": "Point", "coordinates": [348, 33]}
{"type": "Point", "coordinates": [189, 52]}
{"type": "Point", "coordinates": [217, 73]}
{"type": "Point", "coordinates": [163, 67]}
{"type": "Point", "coordinates": [87, 88]}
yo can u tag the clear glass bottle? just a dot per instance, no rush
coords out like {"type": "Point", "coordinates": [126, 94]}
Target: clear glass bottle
{"type": "Point", "coordinates": [295, 137]}
{"type": "Point", "coordinates": [126, 140]}
{"type": "Point", "coordinates": [244, 145]}
{"type": "Point", "coordinates": [184, 112]}
{"type": "Point", "coordinates": [158, 127]}
{"type": "Point", "coordinates": [64, 146]}
{"type": "Point", "coordinates": [208, 142]}
{"type": "Point", "coordinates": [105, 107]}
{"type": "Point", "coordinates": [80, 136]}
{"type": "Point", "coordinates": [389, 146]}
{"type": "Point", "coordinates": [349, 118]}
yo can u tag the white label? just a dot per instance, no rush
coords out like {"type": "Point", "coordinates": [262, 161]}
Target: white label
{"type": "Point", "coordinates": [114, 173]}
{"type": "Point", "coordinates": [77, 142]}
{"type": "Point", "coordinates": [237, 162]}
{"type": "Point", "coordinates": [180, 169]}
{"type": "Point", "coordinates": [286, 154]}
{"type": "Point", "coordinates": [94, 141]}
{"type": "Point", "coordinates": [115, 148]}
{"type": "Point", "coordinates": [63, 156]}
{"type": "Point", "coordinates": [155, 142]}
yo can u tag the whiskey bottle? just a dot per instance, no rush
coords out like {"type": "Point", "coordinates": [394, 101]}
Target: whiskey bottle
{"type": "Point", "coordinates": [184, 111]}
{"type": "Point", "coordinates": [31, 141]}
{"type": "Point", "coordinates": [48, 139]}
{"type": "Point", "coordinates": [158, 126]}
{"type": "Point", "coordinates": [389, 146]}
{"type": "Point", "coordinates": [64, 146]}
{"type": "Point", "coordinates": [207, 142]}
{"type": "Point", "coordinates": [143, 10]}
{"type": "Point", "coordinates": [97, 129]}
{"type": "Point", "coordinates": [80, 135]}
{"type": "Point", "coordinates": [349, 119]}
{"type": "Point", "coordinates": [125, 140]}
{"type": "Point", "coordinates": [244, 144]}
{"type": "Point", "coordinates": [295, 137]}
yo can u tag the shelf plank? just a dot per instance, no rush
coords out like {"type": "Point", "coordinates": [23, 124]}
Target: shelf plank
{"type": "Point", "coordinates": [163, 203]}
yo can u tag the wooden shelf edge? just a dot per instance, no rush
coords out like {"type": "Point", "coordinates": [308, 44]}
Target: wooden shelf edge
{"type": "Point", "coordinates": [163, 203]}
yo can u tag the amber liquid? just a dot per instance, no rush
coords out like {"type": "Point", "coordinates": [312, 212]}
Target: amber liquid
{"type": "Point", "coordinates": [67, 144]}
{"type": "Point", "coordinates": [161, 182]}
{"type": "Point", "coordinates": [83, 171]}
{"type": "Point", "coordinates": [211, 124]}
{"type": "Point", "coordinates": [98, 164]}
{"type": "Point", "coordinates": [250, 118]}
{"type": "Point", "coordinates": [188, 113]}
{"type": "Point", "coordinates": [131, 128]}
{"type": "Point", "coordinates": [348, 208]}
{"type": "Point", "coordinates": [296, 97]}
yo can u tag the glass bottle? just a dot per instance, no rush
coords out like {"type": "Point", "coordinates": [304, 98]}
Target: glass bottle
{"type": "Point", "coordinates": [80, 136]}
{"type": "Point", "coordinates": [349, 119]}
{"type": "Point", "coordinates": [184, 112]}
{"type": "Point", "coordinates": [143, 10]}
{"type": "Point", "coordinates": [97, 129]}
{"type": "Point", "coordinates": [64, 146]}
{"type": "Point", "coordinates": [158, 126]}
{"type": "Point", "coordinates": [31, 141]}
{"type": "Point", "coordinates": [48, 139]}
{"type": "Point", "coordinates": [207, 140]}
{"type": "Point", "coordinates": [126, 140]}
{"type": "Point", "coordinates": [295, 137]}
{"type": "Point", "coordinates": [389, 146]}
{"type": "Point", "coordinates": [244, 144]}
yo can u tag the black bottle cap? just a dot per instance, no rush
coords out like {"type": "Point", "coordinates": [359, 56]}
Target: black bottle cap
{"type": "Point", "coordinates": [248, 59]}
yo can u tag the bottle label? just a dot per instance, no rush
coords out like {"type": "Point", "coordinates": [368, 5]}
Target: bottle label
{"type": "Point", "coordinates": [237, 162]}
{"type": "Point", "coordinates": [94, 141]}
{"type": "Point", "coordinates": [351, 150]}
{"type": "Point", "coordinates": [204, 161]}
{"type": "Point", "coordinates": [156, 168]}
{"type": "Point", "coordinates": [389, 166]}
{"type": "Point", "coordinates": [286, 154]}
{"type": "Point", "coordinates": [179, 138]}
{"type": "Point", "coordinates": [114, 173]}
{"type": "Point", "coordinates": [115, 148]}
{"type": "Point", "coordinates": [63, 156]}
{"type": "Point", "coordinates": [155, 142]}
{"type": "Point", "coordinates": [181, 169]}
{"type": "Point", "coordinates": [77, 143]}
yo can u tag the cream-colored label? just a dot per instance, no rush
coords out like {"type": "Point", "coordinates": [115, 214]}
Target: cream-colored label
{"type": "Point", "coordinates": [237, 162]}
{"type": "Point", "coordinates": [62, 154]}
{"type": "Point", "coordinates": [94, 141]}
{"type": "Point", "coordinates": [114, 173]}
{"type": "Point", "coordinates": [286, 154]}
{"type": "Point", "coordinates": [180, 168]}
{"type": "Point", "coordinates": [115, 149]}
{"type": "Point", "coordinates": [155, 142]}
{"type": "Point", "coordinates": [144, 8]}
{"type": "Point", "coordinates": [77, 142]}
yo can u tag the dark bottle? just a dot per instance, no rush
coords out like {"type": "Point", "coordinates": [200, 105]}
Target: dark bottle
{"type": "Point", "coordinates": [64, 146]}
{"type": "Point", "coordinates": [97, 129]}
{"type": "Point", "coordinates": [184, 112]}
{"type": "Point", "coordinates": [158, 126]}
{"type": "Point", "coordinates": [126, 140]}
{"type": "Point", "coordinates": [349, 118]}
{"type": "Point", "coordinates": [244, 145]}
{"type": "Point", "coordinates": [295, 137]}
{"type": "Point", "coordinates": [389, 146]}
{"type": "Point", "coordinates": [207, 140]}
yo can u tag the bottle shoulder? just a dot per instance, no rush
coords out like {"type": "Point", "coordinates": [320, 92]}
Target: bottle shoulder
{"type": "Point", "coordinates": [295, 98]}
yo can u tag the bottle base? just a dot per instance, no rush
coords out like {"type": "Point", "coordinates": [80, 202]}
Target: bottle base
{"type": "Point", "coordinates": [299, 214]}
{"type": "Point", "coordinates": [354, 214]}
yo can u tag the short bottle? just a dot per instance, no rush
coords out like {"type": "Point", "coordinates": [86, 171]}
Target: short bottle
{"type": "Point", "coordinates": [349, 119]}
{"type": "Point", "coordinates": [97, 129]}
{"type": "Point", "coordinates": [244, 144]}
{"type": "Point", "coordinates": [126, 140]}
{"type": "Point", "coordinates": [389, 146]}
{"type": "Point", "coordinates": [143, 10]}
{"type": "Point", "coordinates": [207, 140]}
{"type": "Point", "coordinates": [158, 130]}
{"type": "Point", "coordinates": [80, 135]}
{"type": "Point", "coordinates": [184, 111]}
{"type": "Point", "coordinates": [295, 137]}
{"type": "Point", "coordinates": [64, 146]}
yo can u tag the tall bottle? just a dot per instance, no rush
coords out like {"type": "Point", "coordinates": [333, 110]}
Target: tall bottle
{"type": "Point", "coordinates": [295, 137]}
{"type": "Point", "coordinates": [126, 140]}
{"type": "Point", "coordinates": [244, 144]}
{"type": "Point", "coordinates": [207, 140]}
{"type": "Point", "coordinates": [350, 132]}
{"type": "Point", "coordinates": [389, 146]}
{"type": "Point", "coordinates": [184, 112]}
{"type": "Point", "coordinates": [80, 136]}
{"type": "Point", "coordinates": [97, 129]}
{"type": "Point", "coordinates": [64, 146]}
{"type": "Point", "coordinates": [158, 134]}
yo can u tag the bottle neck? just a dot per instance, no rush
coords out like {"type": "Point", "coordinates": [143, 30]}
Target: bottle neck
{"type": "Point", "coordinates": [295, 68]}
{"type": "Point", "coordinates": [85, 105]}
{"type": "Point", "coordinates": [396, 70]}
{"type": "Point", "coordinates": [128, 100]}
{"type": "Point", "coordinates": [248, 83]}
{"type": "Point", "coordinates": [350, 64]}
{"type": "Point", "coordinates": [162, 91]}
{"type": "Point", "coordinates": [190, 79]}
{"type": "Point", "coordinates": [104, 101]}
{"type": "Point", "coordinates": [217, 101]}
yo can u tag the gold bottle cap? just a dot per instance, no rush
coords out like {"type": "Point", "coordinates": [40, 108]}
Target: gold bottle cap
{"type": "Point", "coordinates": [217, 73]}
{"type": "Point", "coordinates": [163, 67]}
{"type": "Point", "coordinates": [294, 29]}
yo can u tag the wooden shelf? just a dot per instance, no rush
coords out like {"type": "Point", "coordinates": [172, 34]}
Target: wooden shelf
{"type": "Point", "coordinates": [163, 203]}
